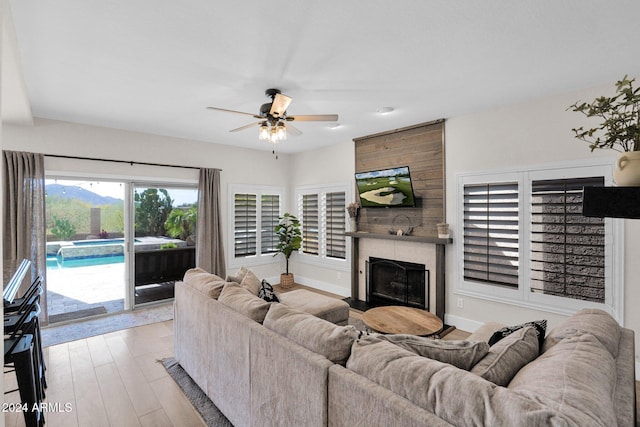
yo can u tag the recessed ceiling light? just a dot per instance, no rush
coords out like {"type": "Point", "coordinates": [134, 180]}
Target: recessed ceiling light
{"type": "Point", "coordinates": [384, 110]}
{"type": "Point", "coordinates": [334, 125]}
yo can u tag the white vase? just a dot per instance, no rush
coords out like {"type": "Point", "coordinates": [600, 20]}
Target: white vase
{"type": "Point", "coordinates": [627, 170]}
{"type": "Point", "coordinates": [353, 224]}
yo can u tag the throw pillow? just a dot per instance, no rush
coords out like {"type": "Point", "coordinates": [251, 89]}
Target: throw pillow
{"type": "Point", "coordinates": [539, 325]}
{"type": "Point", "coordinates": [318, 335]}
{"type": "Point", "coordinates": [461, 354]}
{"type": "Point", "coordinates": [241, 300]}
{"type": "Point", "coordinates": [251, 282]}
{"type": "Point", "coordinates": [267, 293]}
{"type": "Point", "coordinates": [237, 278]}
{"type": "Point", "coordinates": [506, 357]}
{"type": "Point", "coordinates": [205, 282]}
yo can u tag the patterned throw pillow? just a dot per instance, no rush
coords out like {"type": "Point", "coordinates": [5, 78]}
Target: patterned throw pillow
{"type": "Point", "coordinates": [539, 325]}
{"type": "Point", "coordinates": [266, 292]}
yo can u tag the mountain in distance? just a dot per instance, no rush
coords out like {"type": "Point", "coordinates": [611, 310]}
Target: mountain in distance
{"type": "Point", "coordinates": [73, 192]}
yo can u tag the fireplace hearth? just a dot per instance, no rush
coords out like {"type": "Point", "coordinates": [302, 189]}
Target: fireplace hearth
{"type": "Point", "coordinates": [391, 282]}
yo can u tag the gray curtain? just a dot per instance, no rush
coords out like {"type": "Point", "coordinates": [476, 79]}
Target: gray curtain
{"type": "Point", "coordinates": [24, 233]}
{"type": "Point", "coordinates": [209, 248]}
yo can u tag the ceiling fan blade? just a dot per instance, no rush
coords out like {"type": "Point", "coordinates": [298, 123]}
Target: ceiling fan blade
{"type": "Point", "coordinates": [233, 111]}
{"type": "Point", "coordinates": [279, 105]}
{"type": "Point", "coordinates": [245, 127]}
{"type": "Point", "coordinates": [315, 118]}
{"type": "Point", "coordinates": [292, 130]}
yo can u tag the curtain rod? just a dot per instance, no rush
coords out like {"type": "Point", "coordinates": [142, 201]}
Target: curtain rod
{"type": "Point", "coordinates": [122, 161]}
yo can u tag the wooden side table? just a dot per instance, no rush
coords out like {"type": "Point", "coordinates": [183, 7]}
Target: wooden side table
{"type": "Point", "coordinates": [395, 319]}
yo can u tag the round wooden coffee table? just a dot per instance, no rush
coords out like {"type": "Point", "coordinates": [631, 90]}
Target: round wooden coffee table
{"type": "Point", "coordinates": [396, 319]}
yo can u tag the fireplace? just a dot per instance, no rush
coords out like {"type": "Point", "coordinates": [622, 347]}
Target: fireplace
{"type": "Point", "coordinates": [392, 282]}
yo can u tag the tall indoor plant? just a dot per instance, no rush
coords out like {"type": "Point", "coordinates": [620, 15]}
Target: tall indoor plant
{"type": "Point", "coordinates": [290, 240]}
{"type": "Point", "coordinates": [619, 128]}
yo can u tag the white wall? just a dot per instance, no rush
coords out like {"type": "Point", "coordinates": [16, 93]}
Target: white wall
{"type": "Point", "coordinates": [330, 165]}
{"type": "Point", "coordinates": [238, 165]}
{"type": "Point", "coordinates": [534, 133]}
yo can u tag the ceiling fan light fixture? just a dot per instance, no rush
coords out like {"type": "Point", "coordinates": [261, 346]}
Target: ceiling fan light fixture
{"type": "Point", "coordinates": [281, 130]}
{"type": "Point", "coordinates": [263, 133]}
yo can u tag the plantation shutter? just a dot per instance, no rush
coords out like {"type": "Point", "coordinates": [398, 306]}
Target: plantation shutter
{"type": "Point", "coordinates": [491, 233]}
{"type": "Point", "coordinates": [335, 214]}
{"type": "Point", "coordinates": [567, 249]}
{"type": "Point", "coordinates": [270, 210]}
{"type": "Point", "coordinates": [245, 233]}
{"type": "Point", "coordinates": [310, 220]}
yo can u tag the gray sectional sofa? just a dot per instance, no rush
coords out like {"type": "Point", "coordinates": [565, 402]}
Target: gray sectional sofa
{"type": "Point", "coordinates": [269, 364]}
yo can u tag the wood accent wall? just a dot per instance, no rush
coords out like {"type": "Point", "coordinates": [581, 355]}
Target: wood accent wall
{"type": "Point", "coordinates": [421, 147]}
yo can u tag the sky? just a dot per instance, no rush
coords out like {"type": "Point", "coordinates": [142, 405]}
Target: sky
{"type": "Point", "coordinates": [116, 189]}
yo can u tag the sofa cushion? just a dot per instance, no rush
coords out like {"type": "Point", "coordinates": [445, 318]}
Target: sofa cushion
{"type": "Point", "coordinates": [267, 293]}
{"type": "Point", "coordinates": [508, 356]}
{"type": "Point", "coordinates": [203, 281]}
{"type": "Point", "coordinates": [237, 278]}
{"type": "Point", "coordinates": [457, 396]}
{"type": "Point", "coordinates": [318, 335]}
{"type": "Point", "coordinates": [577, 377]}
{"type": "Point", "coordinates": [331, 309]}
{"type": "Point", "coordinates": [251, 282]}
{"type": "Point", "coordinates": [540, 325]}
{"type": "Point", "coordinates": [587, 321]}
{"type": "Point", "coordinates": [461, 354]}
{"type": "Point", "coordinates": [241, 300]}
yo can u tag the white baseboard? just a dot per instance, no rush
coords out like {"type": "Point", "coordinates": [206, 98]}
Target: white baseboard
{"type": "Point", "coordinates": [462, 323]}
{"type": "Point", "coordinates": [317, 284]}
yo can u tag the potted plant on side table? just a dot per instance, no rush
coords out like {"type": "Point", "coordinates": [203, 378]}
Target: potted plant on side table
{"type": "Point", "coordinates": [288, 232]}
{"type": "Point", "coordinates": [619, 129]}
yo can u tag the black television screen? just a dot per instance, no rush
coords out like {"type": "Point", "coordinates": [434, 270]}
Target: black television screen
{"type": "Point", "coordinates": [385, 188]}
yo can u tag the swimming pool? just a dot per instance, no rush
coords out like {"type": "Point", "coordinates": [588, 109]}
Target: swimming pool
{"type": "Point", "coordinates": [82, 253]}
{"type": "Point", "coordinates": [59, 263]}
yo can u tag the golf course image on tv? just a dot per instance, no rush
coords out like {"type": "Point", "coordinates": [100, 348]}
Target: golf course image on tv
{"type": "Point", "coordinates": [385, 188]}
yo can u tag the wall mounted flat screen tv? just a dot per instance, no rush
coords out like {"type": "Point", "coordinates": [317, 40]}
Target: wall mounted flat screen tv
{"type": "Point", "coordinates": [385, 188]}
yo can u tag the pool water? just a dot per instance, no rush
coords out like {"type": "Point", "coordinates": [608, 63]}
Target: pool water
{"type": "Point", "coordinates": [57, 263]}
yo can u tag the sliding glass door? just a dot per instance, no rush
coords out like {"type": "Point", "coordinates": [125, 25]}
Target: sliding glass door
{"type": "Point", "coordinates": [164, 239]}
{"type": "Point", "coordinates": [85, 248]}
{"type": "Point", "coordinates": [113, 246]}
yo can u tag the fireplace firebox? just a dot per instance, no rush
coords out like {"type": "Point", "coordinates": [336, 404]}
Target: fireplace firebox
{"type": "Point", "coordinates": [391, 282]}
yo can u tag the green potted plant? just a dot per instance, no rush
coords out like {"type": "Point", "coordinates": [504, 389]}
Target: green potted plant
{"type": "Point", "coordinates": [290, 239]}
{"type": "Point", "coordinates": [619, 129]}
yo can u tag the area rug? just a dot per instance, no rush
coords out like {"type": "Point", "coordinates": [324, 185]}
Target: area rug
{"type": "Point", "coordinates": [53, 335]}
{"type": "Point", "coordinates": [209, 412]}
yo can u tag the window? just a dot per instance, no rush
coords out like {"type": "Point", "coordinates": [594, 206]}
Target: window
{"type": "Point", "coordinates": [491, 237]}
{"type": "Point", "coordinates": [335, 205]}
{"type": "Point", "coordinates": [525, 241]}
{"type": "Point", "coordinates": [254, 211]}
{"type": "Point", "coordinates": [567, 249]}
{"type": "Point", "coordinates": [322, 213]}
{"type": "Point", "coordinates": [310, 218]}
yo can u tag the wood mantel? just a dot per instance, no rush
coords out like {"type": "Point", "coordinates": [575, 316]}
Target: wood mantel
{"type": "Point", "coordinates": [440, 261]}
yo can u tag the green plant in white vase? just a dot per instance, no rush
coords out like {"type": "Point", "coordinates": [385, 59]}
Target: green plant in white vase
{"type": "Point", "coordinates": [619, 128]}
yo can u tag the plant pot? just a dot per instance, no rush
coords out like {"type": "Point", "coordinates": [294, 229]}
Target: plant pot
{"type": "Point", "coordinates": [353, 224]}
{"type": "Point", "coordinates": [627, 170]}
{"type": "Point", "coordinates": [286, 280]}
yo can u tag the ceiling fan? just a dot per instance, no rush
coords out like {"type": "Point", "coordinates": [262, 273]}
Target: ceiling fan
{"type": "Point", "coordinates": [273, 121]}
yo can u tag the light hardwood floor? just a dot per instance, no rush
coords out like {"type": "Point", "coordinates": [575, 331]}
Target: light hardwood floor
{"type": "Point", "coordinates": [112, 380]}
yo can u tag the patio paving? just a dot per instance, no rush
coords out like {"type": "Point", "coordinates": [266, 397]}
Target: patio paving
{"type": "Point", "coordinates": [84, 288]}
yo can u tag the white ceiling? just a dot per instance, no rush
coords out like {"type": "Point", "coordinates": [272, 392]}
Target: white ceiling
{"type": "Point", "coordinates": [154, 65]}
